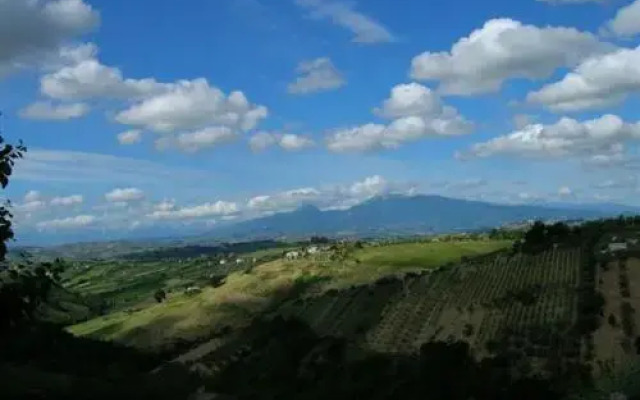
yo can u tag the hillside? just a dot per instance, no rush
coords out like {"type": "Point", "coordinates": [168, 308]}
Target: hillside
{"type": "Point", "coordinates": [246, 293]}
{"type": "Point", "coordinates": [396, 215]}
{"type": "Point", "coordinates": [559, 306]}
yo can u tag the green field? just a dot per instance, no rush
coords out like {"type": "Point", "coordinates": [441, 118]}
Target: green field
{"type": "Point", "coordinates": [131, 284]}
{"type": "Point", "coordinates": [426, 254]}
{"type": "Point", "coordinates": [247, 293]}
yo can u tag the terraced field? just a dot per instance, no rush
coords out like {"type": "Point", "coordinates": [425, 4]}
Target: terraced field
{"type": "Point", "coordinates": [530, 297]}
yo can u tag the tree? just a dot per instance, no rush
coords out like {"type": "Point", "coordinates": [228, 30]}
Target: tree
{"type": "Point", "coordinates": [20, 291]}
{"type": "Point", "coordinates": [160, 295]}
{"type": "Point", "coordinates": [8, 155]}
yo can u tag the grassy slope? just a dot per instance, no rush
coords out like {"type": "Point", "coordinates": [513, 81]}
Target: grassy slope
{"type": "Point", "coordinates": [126, 284]}
{"type": "Point", "coordinates": [245, 294]}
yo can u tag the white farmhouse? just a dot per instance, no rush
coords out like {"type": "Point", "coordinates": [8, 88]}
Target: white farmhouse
{"type": "Point", "coordinates": [292, 255]}
{"type": "Point", "coordinates": [239, 261]}
{"type": "Point", "coordinates": [223, 262]}
{"type": "Point", "coordinates": [613, 247]}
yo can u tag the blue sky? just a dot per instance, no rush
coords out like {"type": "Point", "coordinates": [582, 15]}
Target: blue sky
{"type": "Point", "coordinates": [172, 115]}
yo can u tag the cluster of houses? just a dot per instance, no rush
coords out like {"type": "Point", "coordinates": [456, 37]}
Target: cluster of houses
{"type": "Point", "coordinates": [617, 244]}
{"type": "Point", "coordinates": [311, 250]}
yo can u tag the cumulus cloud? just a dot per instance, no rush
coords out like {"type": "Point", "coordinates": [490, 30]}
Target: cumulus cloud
{"type": "Point", "coordinates": [42, 110]}
{"type": "Point", "coordinates": [192, 142]}
{"type": "Point", "coordinates": [330, 197]}
{"type": "Point", "coordinates": [371, 186]}
{"type": "Point", "coordinates": [67, 201]}
{"type": "Point", "coordinates": [601, 138]}
{"type": "Point", "coordinates": [78, 221]}
{"type": "Point", "coordinates": [598, 82]}
{"type": "Point", "coordinates": [287, 141]}
{"type": "Point", "coordinates": [165, 205]}
{"type": "Point", "coordinates": [365, 29]}
{"type": "Point", "coordinates": [285, 200]}
{"type": "Point", "coordinates": [30, 30]}
{"type": "Point", "coordinates": [206, 210]}
{"type": "Point", "coordinates": [191, 105]}
{"type": "Point", "coordinates": [191, 114]}
{"type": "Point", "coordinates": [124, 195]}
{"type": "Point", "coordinates": [32, 195]}
{"type": "Point", "coordinates": [316, 76]}
{"type": "Point", "coordinates": [31, 206]}
{"type": "Point", "coordinates": [132, 136]}
{"type": "Point", "coordinates": [504, 49]}
{"type": "Point", "coordinates": [627, 21]}
{"type": "Point", "coordinates": [82, 76]}
{"type": "Point", "coordinates": [565, 191]}
{"type": "Point", "coordinates": [416, 111]}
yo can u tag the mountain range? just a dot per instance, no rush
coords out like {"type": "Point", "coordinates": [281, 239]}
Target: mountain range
{"type": "Point", "coordinates": [397, 215]}
{"type": "Point", "coordinates": [391, 215]}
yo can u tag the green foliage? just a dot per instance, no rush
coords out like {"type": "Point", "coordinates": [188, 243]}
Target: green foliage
{"type": "Point", "coordinates": [160, 295]}
{"type": "Point", "coordinates": [291, 362]}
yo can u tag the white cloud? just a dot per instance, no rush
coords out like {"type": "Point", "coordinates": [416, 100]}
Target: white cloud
{"type": "Point", "coordinates": [78, 221]}
{"type": "Point", "coordinates": [48, 111]}
{"type": "Point", "coordinates": [526, 196]}
{"type": "Point", "coordinates": [364, 28]}
{"type": "Point", "coordinates": [371, 186]}
{"type": "Point", "coordinates": [283, 201]}
{"type": "Point", "coordinates": [124, 195]}
{"type": "Point", "coordinates": [504, 49]}
{"type": "Point", "coordinates": [67, 201]}
{"type": "Point", "coordinates": [418, 113]}
{"type": "Point", "coordinates": [565, 191]}
{"type": "Point", "coordinates": [292, 142]}
{"type": "Point", "coordinates": [262, 140]}
{"type": "Point", "coordinates": [410, 99]}
{"type": "Point", "coordinates": [130, 137]}
{"type": "Point", "coordinates": [330, 197]}
{"type": "Point", "coordinates": [598, 82]}
{"type": "Point", "coordinates": [206, 210]}
{"type": "Point", "coordinates": [195, 141]}
{"type": "Point", "coordinates": [597, 139]}
{"type": "Point", "coordinates": [31, 206]}
{"type": "Point", "coordinates": [287, 141]}
{"type": "Point", "coordinates": [165, 205]}
{"type": "Point", "coordinates": [30, 30]}
{"type": "Point", "coordinates": [193, 105]}
{"type": "Point", "coordinates": [84, 77]}
{"type": "Point", "coordinates": [626, 21]}
{"type": "Point", "coordinates": [32, 195]}
{"type": "Point", "coordinates": [316, 76]}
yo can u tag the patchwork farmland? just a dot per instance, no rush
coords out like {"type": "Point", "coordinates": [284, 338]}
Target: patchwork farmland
{"type": "Point", "coordinates": [530, 297]}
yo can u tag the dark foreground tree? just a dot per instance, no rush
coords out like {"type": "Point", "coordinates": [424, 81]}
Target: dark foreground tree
{"type": "Point", "coordinates": [39, 360]}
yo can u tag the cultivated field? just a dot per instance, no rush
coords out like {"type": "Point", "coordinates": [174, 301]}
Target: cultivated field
{"type": "Point", "coordinates": [248, 292]}
{"type": "Point", "coordinates": [616, 340]}
{"type": "Point", "coordinates": [529, 300]}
